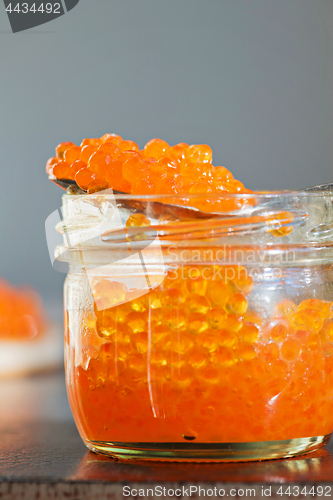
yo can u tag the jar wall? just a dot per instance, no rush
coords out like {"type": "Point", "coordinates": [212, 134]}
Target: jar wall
{"type": "Point", "coordinates": [214, 354]}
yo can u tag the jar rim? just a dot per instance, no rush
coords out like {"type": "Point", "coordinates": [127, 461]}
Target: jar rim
{"type": "Point", "coordinates": [284, 194]}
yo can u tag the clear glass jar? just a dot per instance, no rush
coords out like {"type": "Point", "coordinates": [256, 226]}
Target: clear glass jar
{"type": "Point", "coordinates": [200, 339]}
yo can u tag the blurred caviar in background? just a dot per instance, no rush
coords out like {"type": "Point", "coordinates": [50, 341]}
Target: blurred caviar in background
{"type": "Point", "coordinates": [22, 315]}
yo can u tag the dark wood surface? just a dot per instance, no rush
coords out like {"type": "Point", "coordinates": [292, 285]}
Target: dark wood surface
{"type": "Point", "coordinates": [42, 456]}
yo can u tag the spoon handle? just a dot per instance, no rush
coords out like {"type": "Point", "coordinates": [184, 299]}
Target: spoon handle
{"type": "Point", "coordinates": [321, 187]}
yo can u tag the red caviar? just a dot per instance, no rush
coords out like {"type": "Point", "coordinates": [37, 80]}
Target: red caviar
{"type": "Point", "coordinates": [190, 360]}
{"type": "Point", "coordinates": [111, 162]}
{"type": "Point", "coordinates": [21, 313]}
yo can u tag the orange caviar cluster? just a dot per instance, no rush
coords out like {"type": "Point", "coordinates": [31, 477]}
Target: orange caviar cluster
{"type": "Point", "coordinates": [191, 361]}
{"type": "Point", "coordinates": [21, 313]}
{"type": "Point", "coordinates": [111, 162]}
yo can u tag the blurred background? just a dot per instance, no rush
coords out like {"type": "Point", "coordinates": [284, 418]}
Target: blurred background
{"type": "Point", "coordinates": [252, 78]}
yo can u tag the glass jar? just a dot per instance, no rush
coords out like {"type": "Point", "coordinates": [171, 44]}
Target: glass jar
{"type": "Point", "coordinates": [193, 338]}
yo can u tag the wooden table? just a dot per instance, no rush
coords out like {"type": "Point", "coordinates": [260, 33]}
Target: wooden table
{"type": "Point", "coordinates": [42, 457]}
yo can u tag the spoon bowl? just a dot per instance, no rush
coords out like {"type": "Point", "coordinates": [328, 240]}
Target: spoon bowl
{"type": "Point", "coordinates": [153, 209]}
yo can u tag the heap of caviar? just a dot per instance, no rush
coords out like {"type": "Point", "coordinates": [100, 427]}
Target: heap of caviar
{"type": "Point", "coordinates": [211, 366]}
{"type": "Point", "coordinates": [21, 313]}
{"type": "Point", "coordinates": [111, 162]}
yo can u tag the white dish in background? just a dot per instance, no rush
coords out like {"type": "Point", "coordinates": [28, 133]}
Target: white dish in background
{"type": "Point", "coordinates": [25, 357]}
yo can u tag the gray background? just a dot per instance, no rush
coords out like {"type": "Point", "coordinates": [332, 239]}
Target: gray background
{"type": "Point", "coordinates": [252, 78]}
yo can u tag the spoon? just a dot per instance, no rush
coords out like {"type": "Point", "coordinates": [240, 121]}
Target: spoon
{"type": "Point", "coordinates": [152, 209]}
